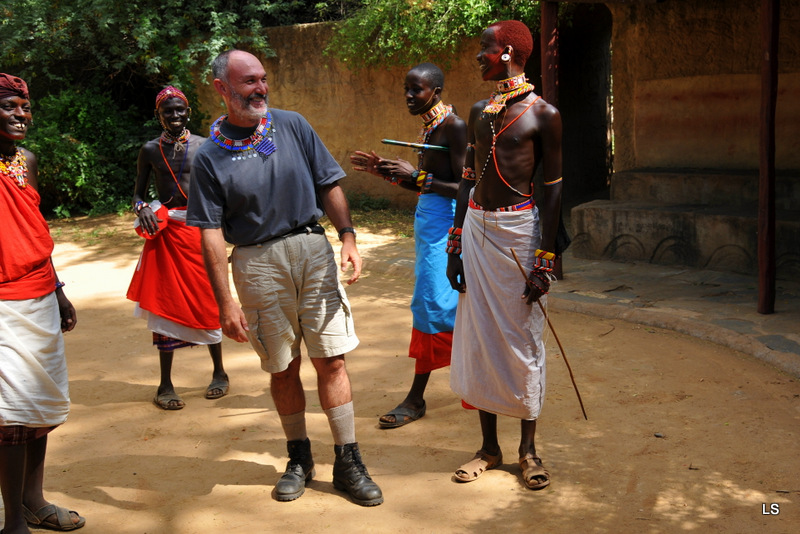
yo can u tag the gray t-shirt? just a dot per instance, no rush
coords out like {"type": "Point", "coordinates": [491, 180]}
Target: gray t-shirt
{"type": "Point", "coordinates": [256, 199]}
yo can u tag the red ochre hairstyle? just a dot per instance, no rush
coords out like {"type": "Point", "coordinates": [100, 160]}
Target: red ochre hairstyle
{"type": "Point", "coordinates": [516, 34]}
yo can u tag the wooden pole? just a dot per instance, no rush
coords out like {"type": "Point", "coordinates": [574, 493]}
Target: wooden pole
{"type": "Point", "coordinates": [553, 330]}
{"type": "Point", "coordinates": [549, 38]}
{"type": "Point", "coordinates": [770, 21]}
{"type": "Point", "coordinates": [549, 59]}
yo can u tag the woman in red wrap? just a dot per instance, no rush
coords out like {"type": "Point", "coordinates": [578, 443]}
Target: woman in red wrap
{"type": "Point", "coordinates": [34, 312]}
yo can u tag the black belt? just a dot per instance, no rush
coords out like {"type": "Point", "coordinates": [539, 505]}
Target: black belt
{"type": "Point", "coordinates": [314, 228]}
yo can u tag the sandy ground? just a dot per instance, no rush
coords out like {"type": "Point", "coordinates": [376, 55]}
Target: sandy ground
{"type": "Point", "coordinates": [727, 455]}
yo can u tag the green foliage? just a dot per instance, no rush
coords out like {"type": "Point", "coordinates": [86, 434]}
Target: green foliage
{"type": "Point", "coordinates": [121, 53]}
{"type": "Point", "coordinates": [106, 44]}
{"type": "Point", "coordinates": [89, 167]}
{"type": "Point", "coordinates": [404, 32]}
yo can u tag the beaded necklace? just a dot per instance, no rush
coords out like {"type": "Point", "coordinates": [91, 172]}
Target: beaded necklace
{"type": "Point", "coordinates": [177, 141]}
{"type": "Point", "coordinates": [493, 154]}
{"type": "Point", "coordinates": [431, 120]}
{"type": "Point", "coordinates": [506, 90]}
{"type": "Point", "coordinates": [169, 167]}
{"type": "Point", "coordinates": [16, 167]}
{"type": "Point", "coordinates": [260, 141]}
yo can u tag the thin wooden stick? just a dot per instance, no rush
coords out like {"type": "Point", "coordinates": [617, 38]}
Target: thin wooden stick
{"type": "Point", "coordinates": [415, 145]}
{"type": "Point", "coordinates": [564, 354]}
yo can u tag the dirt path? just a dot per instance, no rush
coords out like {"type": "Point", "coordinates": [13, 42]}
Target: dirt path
{"type": "Point", "coordinates": [728, 428]}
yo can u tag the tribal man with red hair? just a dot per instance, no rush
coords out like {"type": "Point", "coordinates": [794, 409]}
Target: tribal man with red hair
{"type": "Point", "coordinates": [498, 361]}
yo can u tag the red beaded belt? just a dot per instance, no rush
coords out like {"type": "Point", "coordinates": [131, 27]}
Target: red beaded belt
{"type": "Point", "coordinates": [528, 204]}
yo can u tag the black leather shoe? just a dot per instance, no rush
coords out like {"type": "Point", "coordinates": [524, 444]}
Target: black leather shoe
{"type": "Point", "coordinates": [299, 470]}
{"type": "Point", "coordinates": [350, 475]}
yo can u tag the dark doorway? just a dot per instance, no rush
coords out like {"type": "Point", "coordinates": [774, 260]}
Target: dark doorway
{"type": "Point", "coordinates": [585, 102]}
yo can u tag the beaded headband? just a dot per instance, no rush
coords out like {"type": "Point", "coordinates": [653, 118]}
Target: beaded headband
{"type": "Point", "coordinates": [170, 92]}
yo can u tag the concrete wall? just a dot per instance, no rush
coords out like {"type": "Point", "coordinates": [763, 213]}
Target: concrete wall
{"type": "Point", "coordinates": [687, 84]}
{"type": "Point", "coordinates": [354, 110]}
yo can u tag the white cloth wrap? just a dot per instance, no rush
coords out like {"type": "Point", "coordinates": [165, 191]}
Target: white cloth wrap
{"type": "Point", "coordinates": [34, 387]}
{"type": "Point", "coordinates": [498, 361]}
{"type": "Point", "coordinates": [165, 327]}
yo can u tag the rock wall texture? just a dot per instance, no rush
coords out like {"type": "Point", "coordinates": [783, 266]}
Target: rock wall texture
{"type": "Point", "coordinates": [687, 84]}
{"type": "Point", "coordinates": [354, 109]}
{"type": "Point", "coordinates": [686, 92]}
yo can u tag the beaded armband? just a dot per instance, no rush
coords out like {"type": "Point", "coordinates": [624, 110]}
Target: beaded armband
{"type": "Point", "coordinates": [554, 182]}
{"type": "Point", "coordinates": [139, 206]}
{"type": "Point", "coordinates": [426, 185]}
{"type": "Point", "coordinates": [454, 240]}
{"type": "Point", "coordinates": [421, 178]}
{"type": "Point", "coordinates": [468, 174]}
{"type": "Point", "coordinates": [543, 277]}
{"type": "Point", "coordinates": [544, 261]}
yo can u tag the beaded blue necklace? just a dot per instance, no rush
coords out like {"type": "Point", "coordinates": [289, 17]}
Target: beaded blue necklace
{"type": "Point", "coordinates": [260, 142]}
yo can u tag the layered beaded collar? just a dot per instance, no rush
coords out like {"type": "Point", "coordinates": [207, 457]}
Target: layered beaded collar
{"type": "Point", "coordinates": [16, 167]}
{"type": "Point", "coordinates": [179, 141]}
{"type": "Point", "coordinates": [506, 90]}
{"type": "Point", "coordinates": [260, 142]}
{"type": "Point", "coordinates": [432, 118]}
{"type": "Point", "coordinates": [432, 114]}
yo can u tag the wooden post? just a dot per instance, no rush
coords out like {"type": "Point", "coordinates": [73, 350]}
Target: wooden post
{"type": "Point", "coordinates": [770, 21]}
{"type": "Point", "coordinates": [549, 59]}
{"type": "Point", "coordinates": [549, 37]}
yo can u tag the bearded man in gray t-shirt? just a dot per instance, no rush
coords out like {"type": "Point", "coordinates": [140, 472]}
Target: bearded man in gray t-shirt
{"type": "Point", "coordinates": [261, 183]}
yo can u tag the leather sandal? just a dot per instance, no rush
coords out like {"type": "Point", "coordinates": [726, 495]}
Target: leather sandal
{"type": "Point", "coordinates": [483, 461]}
{"type": "Point", "coordinates": [534, 475]}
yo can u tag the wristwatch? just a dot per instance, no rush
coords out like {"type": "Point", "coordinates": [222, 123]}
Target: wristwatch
{"type": "Point", "coordinates": [347, 230]}
{"type": "Point", "coordinates": [415, 174]}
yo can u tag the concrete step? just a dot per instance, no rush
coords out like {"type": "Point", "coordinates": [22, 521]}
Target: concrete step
{"type": "Point", "coordinates": [703, 187]}
{"type": "Point", "coordinates": [719, 238]}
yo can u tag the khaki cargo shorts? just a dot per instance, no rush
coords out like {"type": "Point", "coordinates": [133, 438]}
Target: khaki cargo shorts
{"type": "Point", "coordinates": [290, 292]}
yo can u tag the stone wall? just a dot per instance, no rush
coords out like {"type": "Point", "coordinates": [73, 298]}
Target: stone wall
{"type": "Point", "coordinates": [354, 110]}
{"type": "Point", "coordinates": [687, 84]}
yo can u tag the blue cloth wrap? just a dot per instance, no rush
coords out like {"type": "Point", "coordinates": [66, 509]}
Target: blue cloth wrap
{"type": "Point", "coordinates": [434, 302]}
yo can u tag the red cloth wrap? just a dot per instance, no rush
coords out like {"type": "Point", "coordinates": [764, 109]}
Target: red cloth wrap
{"type": "Point", "coordinates": [12, 86]}
{"type": "Point", "coordinates": [432, 351]}
{"type": "Point", "coordinates": [25, 244]}
{"type": "Point", "coordinates": [171, 281]}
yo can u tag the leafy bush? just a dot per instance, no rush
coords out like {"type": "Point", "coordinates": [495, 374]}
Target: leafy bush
{"type": "Point", "coordinates": [404, 32]}
{"type": "Point", "coordinates": [86, 148]}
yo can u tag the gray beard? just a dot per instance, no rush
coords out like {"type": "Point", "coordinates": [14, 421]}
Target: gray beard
{"type": "Point", "coordinates": [246, 109]}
